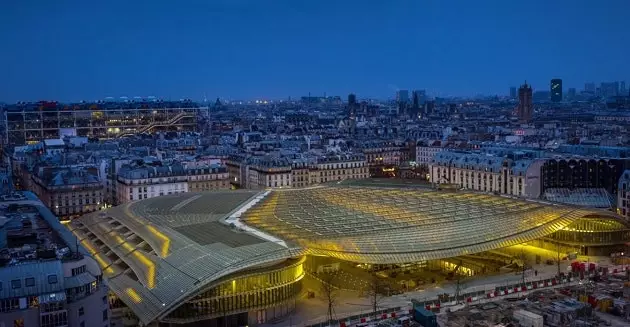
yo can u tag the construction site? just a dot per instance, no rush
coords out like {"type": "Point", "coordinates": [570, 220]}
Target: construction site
{"type": "Point", "coordinates": [601, 299]}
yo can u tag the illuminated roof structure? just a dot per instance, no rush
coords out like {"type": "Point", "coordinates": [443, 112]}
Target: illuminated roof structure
{"type": "Point", "coordinates": [158, 253]}
{"type": "Point", "coordinates": [393, 225]}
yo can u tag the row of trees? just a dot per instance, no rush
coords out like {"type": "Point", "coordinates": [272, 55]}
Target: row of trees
{"type": "Point", "coordinates": [330, 293]}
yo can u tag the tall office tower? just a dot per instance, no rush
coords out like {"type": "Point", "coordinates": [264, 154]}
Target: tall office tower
{"type": "Point", "coordinates": [422, 96]}
{"type": "Point", "coordinates": [556, 90]}
{"type": "Point", "coordinates": [513, 92]}
{"type": "Point", "coordinates": [590, 88]}
{"type": "Point", "coordinates": [525, 107]}
{"type": "Point", "coordinates": [429, 107]}
{"type": "Point", "coordinates": [616, 88]}
{"type": "Point", "coordinates": [610, 89]}
{"type": "Point", "coordinates": [402, 99]}
{"type": "Point", "coordinates": [352, 104]}
{"type": "Point", "coordinates": [416, 103]}
{"type": "Point", "coordinates": [402, 96]}
{"type": "Point", "coordinates": [571, 93]}
{"type": "Point", "coordinates": [622, 89]}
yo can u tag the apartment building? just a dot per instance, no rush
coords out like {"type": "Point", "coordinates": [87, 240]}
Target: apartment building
{"type": "Point", "coordinates": [271, 172]}
{"type": "Point", "coordinates": [486, 173]}
{"type": "Point", "coordinates": [69, 191]}
{"type": "Point", "coordinates": [340, 167]}
{"type": "Point", "coordinates": [146, 181]}
{"type": "Point", "coordinates": [389, 153]}
{"type": "Point", "coordinates": [301, 172]}
{"type": "Point", "coordinates": [426, 150]}
{"type": "Point", "coordinates": [46, 278]}
{"type": "Point", "coordinates": [264, 172]}
{"type": "Point", "coordinates": [207, 178]}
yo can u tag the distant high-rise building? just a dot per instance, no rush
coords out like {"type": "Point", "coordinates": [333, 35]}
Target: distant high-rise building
{"type": "Point", "coordinates": [610, 89]}
{"type": "Point", "coordinates": [525, 107]}
{"type": "Point", "coordinates": [415, 99]}
{"type": "Point", "coordinates": [352, 104]}
{"type": "Point", "coordinates": [402, 96]}
{"type": "Point", "coordinates": [556, 90]}
{"type": "Point", "coordinates": [352, 99]}
{"type": "Point", "coordinates": [571, 93]}
{"type": "Point", "coordinates": [429, 107]}
{"type": "Point", "coordinates": [415, 107]}
{"type": "Point", "coordinates": [422, 96]}
{"type": "Point", "coordinates": [513, 92]}
{"type": "Point", "coordinates": [418, 99]}
{"type": "Point", "coordinates": [622, 89]}
{"type": "Point", "coordinates": [590, 88]}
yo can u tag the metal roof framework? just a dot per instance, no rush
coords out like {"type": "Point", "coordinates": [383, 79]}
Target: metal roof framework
{"type": "Point", "coordinates": [152, 267]}
{"type": "Point", "coordinates": [376, 225]}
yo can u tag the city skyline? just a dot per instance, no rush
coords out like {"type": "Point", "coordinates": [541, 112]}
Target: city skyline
{"type": "Point", "coordinates": [205, 98]}
{"type": "Point", "coordinates": [249, 50]}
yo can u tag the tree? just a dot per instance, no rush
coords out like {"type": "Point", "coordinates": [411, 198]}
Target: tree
{"type": "Point", "coordinates": [374, 293]}
{"type": "Point", "coordinates": [329, 293]}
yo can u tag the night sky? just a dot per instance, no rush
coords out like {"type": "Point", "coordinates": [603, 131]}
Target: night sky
{"type": "Point", "coordinates": [240, 49]}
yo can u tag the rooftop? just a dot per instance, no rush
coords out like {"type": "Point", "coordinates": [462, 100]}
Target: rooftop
{"type": "Point", "coordinates": [162, 251]}
{"type": "Point", "coordinates": [29, 232]}
{"type": "Point", "coordinates": [404, 224]}
{"type": "Point", "coordinates": [159, 251]}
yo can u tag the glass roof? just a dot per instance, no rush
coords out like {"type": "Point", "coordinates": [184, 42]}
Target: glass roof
{"type": "Point", "coordinates": [159, 252]}
{"type": "Point", "coordinates": [152, 267]}
{"type": "Point", "coordinates": [389, 225]}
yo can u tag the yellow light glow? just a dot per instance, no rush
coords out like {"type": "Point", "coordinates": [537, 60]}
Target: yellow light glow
{"type": "Point", "coordinates": [135, 297]}
{"type": "Point", "coordinates": [150, 278]}
{"type": "Point", "coordinates": [97, 256]}
{"type": "Point", "coordinates": [166, 241]}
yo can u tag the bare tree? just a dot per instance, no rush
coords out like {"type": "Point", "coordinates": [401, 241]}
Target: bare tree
{"type": "Point", "coordinates": [329, 293]}
{"type": "Point", "coordinates": [374, 292]}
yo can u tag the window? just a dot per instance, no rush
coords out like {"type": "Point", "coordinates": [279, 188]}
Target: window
{"type": "Point", "coordinates": [78, 270]}
{"type": "Point", "coordinates": [54, 319]}
{"type": "Point", "coordinates": [16, 283]}
{"type": "Point", "coordinates": [104, 299]}
{"type": "Point", "coordinates": [105, 315]}
{"type": "Point", "coordinates": [81, 311]}
{"type": "Point", "coordinates": [29, 282]}
{"type": "Point", "coordinates": [52, 279]}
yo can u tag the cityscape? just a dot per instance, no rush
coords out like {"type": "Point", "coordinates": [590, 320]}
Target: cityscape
{"type": "Point", "coordinates": [331, 208]}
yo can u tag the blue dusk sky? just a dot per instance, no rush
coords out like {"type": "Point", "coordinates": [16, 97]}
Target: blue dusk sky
{"type": "Point", "coordinates": [70, 50]}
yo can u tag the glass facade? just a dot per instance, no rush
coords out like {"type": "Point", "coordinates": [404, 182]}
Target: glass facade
{"type": "Point", "coordinates": [35, 122]}
{"type": "Point", "coordinates": [243, 294]}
